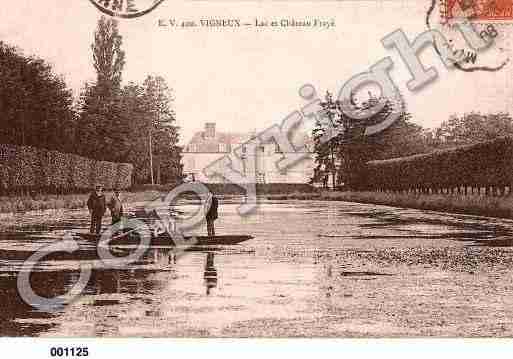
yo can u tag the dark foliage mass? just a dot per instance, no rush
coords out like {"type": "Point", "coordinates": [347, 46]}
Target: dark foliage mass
{"type": "Point", "coordinates": [35, 105]}
{"type": "Point", "coordinates": [472, 150]}
{"type": "Point", "coordinates": [343, 157]}
{"type": "Point", "coordinates": [132, 123]}
{"type": "Point", "coordinates": [110, 121]}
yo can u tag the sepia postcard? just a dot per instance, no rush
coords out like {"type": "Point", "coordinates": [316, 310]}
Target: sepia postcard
{"type": "Point", "coordinates": [256, 169]}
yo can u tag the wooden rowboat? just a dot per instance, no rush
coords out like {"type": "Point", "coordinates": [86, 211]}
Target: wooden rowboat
{"type": "Point", "coordinates": [131, 238]}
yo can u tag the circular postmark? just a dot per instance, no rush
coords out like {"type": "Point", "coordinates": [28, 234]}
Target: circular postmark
{"type": "Point", "coordinates": [126, 9]}
{"type": "Point", "coordinates": [483, 47]}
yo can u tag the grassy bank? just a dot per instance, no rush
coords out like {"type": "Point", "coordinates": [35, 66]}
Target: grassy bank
{"type": "Point", "coordinates": [71, 201]}
{"type": "Point", "coordinates": [477, 205]}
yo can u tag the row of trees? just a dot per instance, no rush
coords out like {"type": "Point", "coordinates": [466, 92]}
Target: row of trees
{"type": "Point", "coordinates": [131, 123]}
{"type": "Point", "coordinates": [472, 167]}
{"type": "Point", "coordinates": [342, 159]}
{"type": "Point", "coordinates": [469, 129]}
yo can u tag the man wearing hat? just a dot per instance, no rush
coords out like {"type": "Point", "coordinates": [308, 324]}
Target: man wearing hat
{"type": "Point", "coordinates": [212, 214]}
{"type": "Point", "coordinates": [116, 207]}
{"type": "Point", "coordinates": [97, 206]}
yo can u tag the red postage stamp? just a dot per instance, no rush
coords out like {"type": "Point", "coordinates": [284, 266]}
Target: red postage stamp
{"type": "Point", "coordinates": [478, 9]}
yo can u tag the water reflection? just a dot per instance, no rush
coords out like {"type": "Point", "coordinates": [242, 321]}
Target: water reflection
{"type": "Point", "coordinates": [210, 274]}
{"type": "Point", "coordinates": [15, 309]}
{"type": "Point", "coordinates": [134, 281]}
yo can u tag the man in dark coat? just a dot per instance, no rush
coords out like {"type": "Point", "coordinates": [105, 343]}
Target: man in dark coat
{"type": "Point", "coordinates": [116, 207]}
{"type": "Point", "coordinates": [97, 206]}
{"type": "Point", "coordinates": [212, 215]}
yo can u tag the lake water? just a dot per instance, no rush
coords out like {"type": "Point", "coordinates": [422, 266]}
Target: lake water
{"type": "Point", "coordinates": [313, 269]}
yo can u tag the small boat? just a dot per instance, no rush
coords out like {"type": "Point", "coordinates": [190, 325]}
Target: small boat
{"type": "Point", "coordinates": [132, 238]}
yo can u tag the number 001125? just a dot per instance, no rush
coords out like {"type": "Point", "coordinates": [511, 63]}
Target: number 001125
{"type": "Point", "coordinates": [69, 352]}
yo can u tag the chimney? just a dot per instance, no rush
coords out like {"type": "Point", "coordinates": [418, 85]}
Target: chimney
{"type": "Point", "coordinates": [210, 130]}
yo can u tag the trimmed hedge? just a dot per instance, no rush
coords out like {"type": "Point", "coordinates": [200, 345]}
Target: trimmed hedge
{"type": "Point", "coordinates": [28, 168]}
{"type": "Point", "coordinates": [480, 165]}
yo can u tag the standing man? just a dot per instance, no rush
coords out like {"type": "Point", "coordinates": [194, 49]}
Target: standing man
{"type": "Point", "coordinates": [97, 207]}
{"type": "Point", "coordinates": [116, 207]}
{"type": "Point", "coordinates": [212, 215]}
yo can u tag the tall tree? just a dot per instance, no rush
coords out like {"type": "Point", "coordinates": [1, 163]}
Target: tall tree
{"type": "Point", "coordinates": [133, 102]}
{"type": "Point", "coordinates": [346, 153]}
{"type": "Point", "coordinates": [103, 130]}
{"type": "Point", "coordinates": [327, 136]}
{"type": "Point", "coordinates": [165, 155]}
{"type": "Point", "coordinates": [108, 57]}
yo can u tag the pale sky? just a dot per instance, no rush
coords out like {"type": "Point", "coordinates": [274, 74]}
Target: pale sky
{"type": "Point", "coordinates": [248, 78]}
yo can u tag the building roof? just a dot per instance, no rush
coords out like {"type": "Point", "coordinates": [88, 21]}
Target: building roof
{"type": "Point", "coordinates": [203, 143]}
{"type": "Point", "coordinates": [210, 140]}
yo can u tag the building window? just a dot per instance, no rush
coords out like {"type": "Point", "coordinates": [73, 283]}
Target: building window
{"type": "Point", "coordinates": [260, 177]}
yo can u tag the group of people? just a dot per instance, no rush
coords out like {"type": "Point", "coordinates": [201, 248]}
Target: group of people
{"type": "Point", "coordinates": [98, 205]}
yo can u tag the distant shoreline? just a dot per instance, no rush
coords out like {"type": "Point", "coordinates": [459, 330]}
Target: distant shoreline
{"type": "Point", "coordinates": [501, 207]}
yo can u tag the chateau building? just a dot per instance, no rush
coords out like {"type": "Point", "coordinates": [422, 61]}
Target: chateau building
{"type": "Point", "coordinates": [255, 160]}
